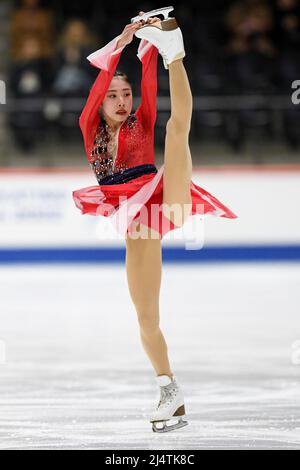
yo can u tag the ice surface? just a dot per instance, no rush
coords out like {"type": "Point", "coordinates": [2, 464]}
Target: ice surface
{"type": "Point", "coordinates": [75, 375]}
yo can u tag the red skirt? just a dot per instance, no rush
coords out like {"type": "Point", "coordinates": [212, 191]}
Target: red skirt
{"type": "Point", "coordinates": [140, 200]}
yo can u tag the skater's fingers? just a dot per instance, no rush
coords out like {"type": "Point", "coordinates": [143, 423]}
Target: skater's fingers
{"type": "Point", "coordinates": [131, 27]}
{"type": "Point", "coordinates": [153, 19]}
{"type": "Point", "coordinates": [136, 26]}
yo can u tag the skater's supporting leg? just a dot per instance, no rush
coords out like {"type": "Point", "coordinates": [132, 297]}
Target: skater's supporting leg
{"type": "Point", "coordinates": [144, 266]}
{"type": "Point", "coordinates": [177, 158]}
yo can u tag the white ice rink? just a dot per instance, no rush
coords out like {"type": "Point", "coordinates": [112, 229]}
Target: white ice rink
{"type": "Point", "coordinates": [75, 376]}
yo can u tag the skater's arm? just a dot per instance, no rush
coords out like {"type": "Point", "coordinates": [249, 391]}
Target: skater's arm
{"type": "Point", "coordinates": [101, 58]}
{"type": "Point", "coordinates": [106, 58]}
{"type": "Point", "coordinates": [146, 112]}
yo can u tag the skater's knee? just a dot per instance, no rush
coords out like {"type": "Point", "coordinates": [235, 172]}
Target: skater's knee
{"type": "Point", "coordinates": [148, 320]}
{"type": "Point", "coordinates": [178, 127]}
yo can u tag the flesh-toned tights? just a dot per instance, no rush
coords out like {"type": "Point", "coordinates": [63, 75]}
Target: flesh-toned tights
{"type": "Point", "coordinates": [144, 254]}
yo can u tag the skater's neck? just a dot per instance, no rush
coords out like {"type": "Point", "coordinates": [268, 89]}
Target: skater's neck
{"type": "Point", "coordinates": [114, 125]}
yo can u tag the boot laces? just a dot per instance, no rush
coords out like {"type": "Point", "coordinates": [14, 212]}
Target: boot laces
{"type": "Point", "coordinates": [166, 395]}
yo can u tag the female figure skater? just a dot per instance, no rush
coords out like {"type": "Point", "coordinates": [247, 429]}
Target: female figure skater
{"type": "Point", "coordinates": [120, 149]}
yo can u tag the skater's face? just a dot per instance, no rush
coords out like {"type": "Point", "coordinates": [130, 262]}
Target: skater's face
{"type": "Point", "coordinates": [117, 103]}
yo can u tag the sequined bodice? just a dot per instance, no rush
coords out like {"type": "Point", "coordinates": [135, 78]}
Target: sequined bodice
{"type": "Point", "coordinates": [104, 156]}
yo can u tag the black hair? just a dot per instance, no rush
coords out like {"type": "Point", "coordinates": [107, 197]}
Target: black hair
{"type": "Point", "coordinates": [123, 75]}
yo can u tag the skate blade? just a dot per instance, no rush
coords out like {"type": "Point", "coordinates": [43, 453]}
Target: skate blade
{"type": "Point", "coordinates": [159, 11]}
{"type": "Point", "coordinates": [166, 428]}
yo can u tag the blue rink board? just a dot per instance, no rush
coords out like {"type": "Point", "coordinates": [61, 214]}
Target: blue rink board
{"type": "Point", "coordinates": [233, 253]}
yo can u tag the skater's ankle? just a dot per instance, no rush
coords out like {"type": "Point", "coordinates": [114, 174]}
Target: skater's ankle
{"type": "Point", "coordinates": [170, 375]}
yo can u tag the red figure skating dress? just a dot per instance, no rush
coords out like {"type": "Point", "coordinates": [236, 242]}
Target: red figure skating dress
{"type": "Point", "coordinates": [130, 187]}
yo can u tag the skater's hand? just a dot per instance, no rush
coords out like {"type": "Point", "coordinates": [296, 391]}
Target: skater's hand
{"type": "Point", "coordinates": [129, 30]}
{"type": "Point", "coordinates": [151, 20]}
{"type": "Point", "coordinates": [127, 34]}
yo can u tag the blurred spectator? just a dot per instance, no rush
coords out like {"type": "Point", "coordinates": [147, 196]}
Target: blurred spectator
{"type": "Point", "coordinates": [287, 38]}
{"type": "Point", "coordinates": [77, 8]}
{"type": "Point", "coordinates": [249, 24]}
{"type": "Point", "coordinates": [30, 77]}
{"type": "Point", "coordinates": [250, 65]}
{"type": "Point", "coordinates": [73, 73]}
{"type": "Point", "coordinates": [31, 21]}
{"type": "Point", "coordinates": [250, 49]}
{"type": "Point", "coordinates": [287, 24]}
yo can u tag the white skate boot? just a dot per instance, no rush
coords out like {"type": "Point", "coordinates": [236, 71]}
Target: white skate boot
{"type": "Point", "coordinates": [165, 35]}
{"type": "Point", "coordinates": [170, 406]}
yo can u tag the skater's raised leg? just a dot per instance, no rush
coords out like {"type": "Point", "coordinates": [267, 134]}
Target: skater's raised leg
{"type": "Point", "coordinates": [177, 156]}
{"type": "Point", "coordinates": [167, 37]}
{"type": "Point", "coordinates": [144, 267]}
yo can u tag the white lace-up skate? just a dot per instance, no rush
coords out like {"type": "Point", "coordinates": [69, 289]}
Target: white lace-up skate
{"type": "Point", "coordinates": [170, 406]}
{"type": "Point", "coordinates": [165, 35]}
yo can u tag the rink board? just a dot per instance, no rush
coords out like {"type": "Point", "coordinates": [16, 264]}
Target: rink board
{"type": "Point", "coordinates": [40, 223]}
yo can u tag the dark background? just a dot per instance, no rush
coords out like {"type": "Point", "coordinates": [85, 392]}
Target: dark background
{"type": "Point", "coordinates": [241, 58]}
